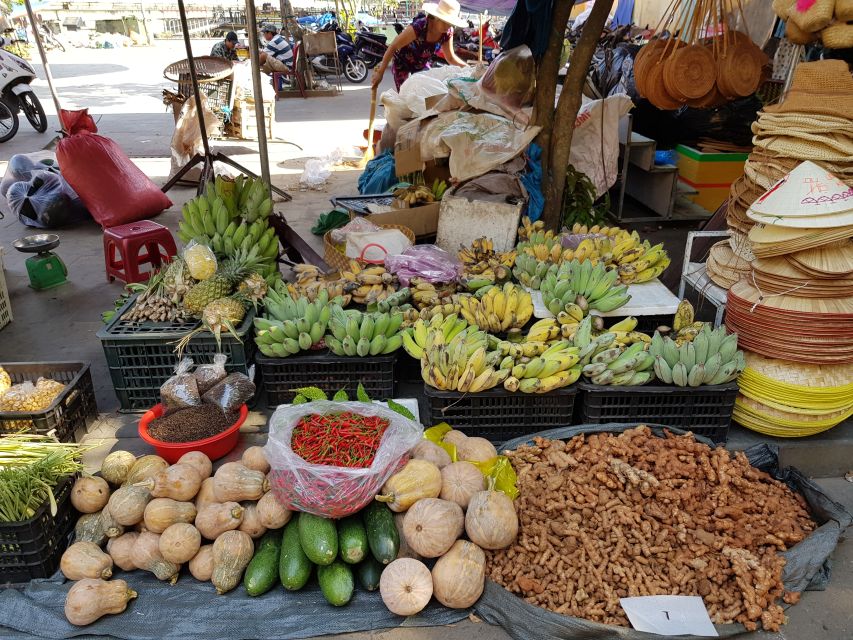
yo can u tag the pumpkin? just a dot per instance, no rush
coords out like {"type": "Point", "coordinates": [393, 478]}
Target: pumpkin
{"type": "Point", "coordinates": [179, 482]}
{"type": "Point", "coordinates": [405, 586]}
{"type": "Point", "coordinates": [85, 560]}
{"type": "Point", "coordinates": [432, 525]}
{"type": "Point", "coordinates": [233, 482]}
{"type": "Point", "coordinates": [112, 528]}
{"type": "Point", "coordinates": [180, 542]}
{"type": "Point", "coordinates": [232, 552]}
{"type": "Point", "coordinates": [491, 521]}
{"type": "Point", "coordinates": [91, 598]}
{"type": "Point", "coordinates": [161, 513]}
{"type": "Point", "coordinates": [476, 450]}
{"type": "Point", "coordinates": [460, 481]}
{"type": "Point", "coordinates": [90, 528]}
{"type": "Point", "coordinates": [251, 521]}
{"type": "Point", "coordinates": [146, 555]}
{"type": "Point", "coordinates": [120, 550]}
{"type": "Point", "coordinates": [144, 468]}
{"type": "Point", "coordinates": [255, 459]}
{"type": "Point", "coordinates": [215, 519]}
{"type": "Point", "coordinates": [459, 576]}
{"type": "Point", "coordinates": [206, 494]}
{"type": "Point", "coordinates": [405, 551]}
{"type": "Point", "coordinates": [417, 480]}
{"type": "Point", "coordinates": [89, 494]}
{"type": "Point", "coordinates": [127, 504]}
{"type": "Point", "coordinates": [116, 467]}
{"type": "Point", "coordinates": [271, 513]}
{"type": "Point", "coordinates": [454, 437]}
{"type": "Point", "coordinates": [198, 461]}
{"type": "Point", "coordinates": [431, 452]}
{"type": "Point", "coordinates": [201, 566]}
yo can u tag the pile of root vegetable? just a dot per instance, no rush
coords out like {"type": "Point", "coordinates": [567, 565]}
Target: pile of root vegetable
{"type": "Point", "coordinates": [608, 516]}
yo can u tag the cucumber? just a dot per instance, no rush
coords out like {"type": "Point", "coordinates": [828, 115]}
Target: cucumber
{"type": "Point", "coordinates": [319, 538]}
{"type": "Point", "coordinates": [262, 571]}
{"type": "Point", "coordinates": [294, 567]}
{"type": "Point", "coordinates": [336, 583]}
{"type": "Point", "coordinates": [382, 533]}
{"type": "Point", "coordinates": [369, 571]}
{"type": "Point", "coordinates": [352, 539]}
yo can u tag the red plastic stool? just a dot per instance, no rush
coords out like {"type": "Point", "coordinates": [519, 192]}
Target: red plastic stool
{"type": "Point", "coordinates": [129, 246]}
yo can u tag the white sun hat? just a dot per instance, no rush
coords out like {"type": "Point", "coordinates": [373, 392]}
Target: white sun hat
{"type": "Point", "coordinates": [446, 10]}
{"type": "Point", "coordinates": [806, 192]}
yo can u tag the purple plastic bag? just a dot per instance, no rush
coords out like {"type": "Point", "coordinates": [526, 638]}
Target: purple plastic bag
{"type": "Point", "coordinates": [425, 261]}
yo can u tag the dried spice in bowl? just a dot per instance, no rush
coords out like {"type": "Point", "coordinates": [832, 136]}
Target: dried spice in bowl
{"type": "Point", "coordinates": [192, 423]}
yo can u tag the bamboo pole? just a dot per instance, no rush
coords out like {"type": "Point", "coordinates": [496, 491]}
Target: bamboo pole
{"type": "Point", "coordinates": [257, 90]}
{"type": "Point", "coordinates": [47, 74]}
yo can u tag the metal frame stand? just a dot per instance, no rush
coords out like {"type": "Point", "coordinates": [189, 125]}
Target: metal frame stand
{"type": "Point", "coordinates": [206, 159]}
{"type": "Point", "coordinates": [695, 275]}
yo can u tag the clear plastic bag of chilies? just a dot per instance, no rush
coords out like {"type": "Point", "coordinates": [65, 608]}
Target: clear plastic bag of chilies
{"type": "Point", "coordinates": [181, 390]}
{"type": "Point", "coordinates": [331, 491]}
{"type": "Point", "coordinates": [207, 375]}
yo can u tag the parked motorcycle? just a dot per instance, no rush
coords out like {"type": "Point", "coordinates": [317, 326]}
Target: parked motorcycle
{"type": "Point", "coordinates": [16, 74]}
{"type": "Point", "coordinates": [354, 67]}
{"type": "Point", "coordinates": [371, 47]}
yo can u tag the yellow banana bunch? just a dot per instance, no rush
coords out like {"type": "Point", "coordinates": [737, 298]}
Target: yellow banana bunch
{"type": "Point", "coordinates": [415, 194]}
{"type": "Point", "coordinates": [642, 263]}
{"type": "Point", "coordinates": [310, 281]}
{"type": "Point", "coordinates": [545, 247]}
{"type": "Point", "coordinates": [429, 294]}
{"type": "Point", "coordinates": [481, 261]}
{"type": "Point", "coordinates": [411, 316]}
{"type": "Point", "coordinates": [556, 367]}
{"type": "Point", "coordinates": [368, 284]}
{"type": "Point", "coordinates": [499, 309]}
{"type": "Point", "coordinates": [582, 229]}
{"type": "Point", "coordinates": [528, 228]}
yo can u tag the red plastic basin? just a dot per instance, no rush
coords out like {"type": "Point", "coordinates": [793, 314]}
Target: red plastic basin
{"type": "Point", "coordinates": [214, 447]}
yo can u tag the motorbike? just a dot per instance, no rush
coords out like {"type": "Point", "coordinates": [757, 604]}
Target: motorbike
{"type": "Point", "coordinates": [16, 96]}
{"type": "Point", "coordinates": [354, 67]}
{"type": "Point", "coordinates": [371, 47]}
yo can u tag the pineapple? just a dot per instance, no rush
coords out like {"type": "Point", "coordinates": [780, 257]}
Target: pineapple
{"type": "Point", "coordinates": [201, 261]}
{"type": "Point", "coordinates": [254, 288]}
{"type": "Point", "coordinates": [224, 313]}
{"type": "Point", "coordinates": [177, 279]}
{"type": "Point", "coordinates": [222, 283]}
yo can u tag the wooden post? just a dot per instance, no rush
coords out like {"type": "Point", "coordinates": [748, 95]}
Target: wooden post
{"type": "Point", "coordinates": [257, 91]}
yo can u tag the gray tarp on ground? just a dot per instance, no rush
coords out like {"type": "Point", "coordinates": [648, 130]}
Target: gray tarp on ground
{"type": "Point", "coordinates": [191, 609]}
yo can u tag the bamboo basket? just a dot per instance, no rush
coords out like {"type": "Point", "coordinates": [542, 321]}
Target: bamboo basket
{"type": "Point", "coordinates": [334, 256]}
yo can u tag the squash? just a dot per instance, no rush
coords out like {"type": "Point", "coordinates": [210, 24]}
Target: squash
{"type": "Point", "coordinates": [205, 494]}
{"type": "Point", "coordinates": [251, 521]}
{"type": "Point", "coordinates": [432, 525]}
{"type": "Point", "coordinates": [162, 513]}
{"type": "Point", "coordinates": [198, 461]}
{"type": "Point", "coordinates": [89, 494]}
{"type": "Point", "coordinates": [491, 521]}
{"type": "Point", "coordinates": [116, 467]}
{"type": "Point", "coordinates": [454, 437]}
{"type": "Point", "coordinates": [146, 555]}
{"type": "Point", "coordinates": [271, 513]}
{"type": "Point", "coordinates": [120, 550]}
{"type": "Point", "coordinates": [431, 452]}
{"type": "Point", "coordinates": [92, 598]}
{"type": "Point", "coordinates": [127, 504]}
{"type": "Point", "coordinates": [235, 483]}
{"type": "Point", "coordinates": [179, 482]}
{"type": "Point", "coordinates": [85, 560]}
{"type": "Point", "coordinates": [405, 586]}
{"type": "Point", "coordinates": [255, 459]}
{"type": "Point", "coordinates": [405, 550]}
{"type": "Point", "coordinates": [232, 552]}
{"type": "Point", "coordinates": [144, 468]}
{"type": "Point", "coordinates": [215, 519]}
{"type": "Point", "coordinates": [417, 480]}
{"type": "Point", "coordinates": [90, 528]}
{"type": "Point", "coordinates": [476, 450]}
{"type": "Point", "coordinates": [460, 481]}
{"type": "Point", "coordinates": [201, 566]}
{"type": "Point", "coordinates": [459, 576]}
{"type": "Point", "coordinates": [180, 542]}
{"type": "Point", "coordinates": [112, 528]}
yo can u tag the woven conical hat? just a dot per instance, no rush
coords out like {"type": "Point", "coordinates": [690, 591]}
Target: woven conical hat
{"type": "Point", "coordinates": [807, 192]}
{"type": "Point", "coordinates": [829, 221]}
{"type": "Point", "coordinates": [831, 259]}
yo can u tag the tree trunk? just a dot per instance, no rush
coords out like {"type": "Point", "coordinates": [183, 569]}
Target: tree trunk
{"type": "Point", "coordinates": [291, 28]}
{"type": "Point", "coordinates": [554, 172]}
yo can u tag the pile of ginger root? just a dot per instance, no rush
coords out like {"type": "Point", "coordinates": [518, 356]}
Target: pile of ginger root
{"type": "Point", "coordinates": [605, 516]}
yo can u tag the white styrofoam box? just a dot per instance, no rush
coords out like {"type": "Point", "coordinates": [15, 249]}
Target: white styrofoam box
{"type": "Point", "coordinates": [461, 221]}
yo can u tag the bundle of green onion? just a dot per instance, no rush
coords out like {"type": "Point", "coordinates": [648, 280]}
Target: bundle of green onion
{"type": "Point", "coordinates": [30, 467]}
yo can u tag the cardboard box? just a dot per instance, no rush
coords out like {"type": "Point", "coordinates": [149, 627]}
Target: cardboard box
{"type": "Point", "coordinates": [423, 221]}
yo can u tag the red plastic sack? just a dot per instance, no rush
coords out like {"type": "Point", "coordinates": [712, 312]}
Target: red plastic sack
{"type": "Point", "coordinates": [77, 121]}
{"type": "Point", "coordinates": [114, 190]}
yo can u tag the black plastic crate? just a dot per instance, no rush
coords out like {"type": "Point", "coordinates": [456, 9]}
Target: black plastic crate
{"type": "Point", "coordinates": [331, 373]}
{"type": "Point", "coordinates": [72, 409]}
{"type": "Point", "coordinates": [408, 369]}
{"type": "Point", "coordinates": [32, 548]}
{"type": "Point", "coordinates": [141, 356]}
{"type": "Point", "coordinates": [499, 415]}
{"type": "Point", "coordinates": [705, 410]}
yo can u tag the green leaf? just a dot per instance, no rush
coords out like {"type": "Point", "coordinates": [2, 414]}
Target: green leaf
{"type": "Point", "coordinates": [396, 406]}
{"type": "Point", "coordinates": [300, 399]}
{"type": "Point", "coordinates": [312, 393]}
{"type": "Point", "coordinates": [361, 394]}
{"type": "Point", "coordinates": [340, 396]}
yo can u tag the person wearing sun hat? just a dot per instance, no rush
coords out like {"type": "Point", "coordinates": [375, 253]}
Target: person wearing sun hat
{"type": "Point", "coordinates": [412, 50]}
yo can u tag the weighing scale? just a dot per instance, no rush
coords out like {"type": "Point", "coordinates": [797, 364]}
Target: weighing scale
{"type": "Point", "coordinates": [45, 269]}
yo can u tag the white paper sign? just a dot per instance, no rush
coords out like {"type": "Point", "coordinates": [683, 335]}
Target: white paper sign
{"type": "Point", "coordinates": [669, 615]}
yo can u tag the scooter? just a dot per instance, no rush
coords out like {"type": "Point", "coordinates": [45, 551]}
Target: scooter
{"type": "Point", "coordinates": [16, 74]}
{"type": "Point", "coordinates": [354, 67]}
{"type": "Point", "coordinates": [371, 47]}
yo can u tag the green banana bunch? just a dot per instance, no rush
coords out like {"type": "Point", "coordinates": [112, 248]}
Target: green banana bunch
{"type": "Point", "coordinates": [257, 204]}
{"type": "Point", "coordinates": [354, 333]}
{"type": "Point", "coordinates": [712, 357]}
{"type": "Point", "coordinates": [438, 188]}
{"type": "Point", "coordinates": [396, 301]}
{"type": "Point", "coordinates": [529, 271]}
{"type": "Point", "coordinates": [620, 365]}
{"type": "Point", "coordinates": [289, 325]}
